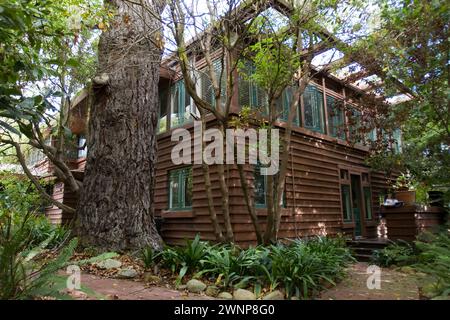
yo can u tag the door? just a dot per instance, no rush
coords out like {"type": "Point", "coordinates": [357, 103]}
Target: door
{"type": "Point", "coordinates": [356, 204]}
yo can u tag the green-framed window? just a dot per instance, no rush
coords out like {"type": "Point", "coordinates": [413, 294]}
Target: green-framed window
{"type": "Point", "coordinates": [250, 94]}
{"type": "Point", "coordinates": [180, 189]}
{"type": "Point", "coordinates": [207, 89]}
{"type": "Point", "coordinates": [260, 189]}
{"type": "Point", "coordinates": [181, 105]}
{"type": "Point", "coordinates": [397, 140]}
{"type": "Point", "coordinates": [368, 202]}
{"type": "Point", "coordinates": [284, 105]}
{"type": "Point", "coordinates": [313, 109]}
{"type": "Point", "coordinates": [336, 117]}
{"type": "Point", "coordinates": [346, 203]}
{"type": "Point", "coordinates": [354, 125]}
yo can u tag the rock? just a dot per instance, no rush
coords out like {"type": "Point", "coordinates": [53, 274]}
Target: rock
{"type": "Point", "coordinates": [128, 273]}
{"type": "Point", "coordinates": [109, 264]}
{"type": "Point", "coordinates": [295, 298]}
{"type": "Point", "coordinates": [225, 295]}
{"type": "Point", "coordinates": [212, 291]}
{"type": "Point", "coordinates": [182, 287]}
{"type": "Point", "coordinates": [195, 286]}
{"type": "Point", "coordinates": [242, 294]}
{"type": "Point", "coordinates": [274, 295]}
{"type": "Point", "coordinates": [149, 277]}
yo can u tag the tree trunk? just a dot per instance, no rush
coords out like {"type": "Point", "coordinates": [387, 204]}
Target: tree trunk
{"type": "Point", "coordinates": [116, 205]}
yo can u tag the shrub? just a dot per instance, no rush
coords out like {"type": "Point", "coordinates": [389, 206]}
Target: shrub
{"type": "Point", "coordinates": [22, 271]}
{"type": "Point", "coordinates": [400, 253]}
{"type": "Point", "coordinates": [434, 260]}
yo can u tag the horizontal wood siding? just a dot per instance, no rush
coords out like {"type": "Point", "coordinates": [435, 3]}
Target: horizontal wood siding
{"type": "Point", "coordinates": [313, 200]}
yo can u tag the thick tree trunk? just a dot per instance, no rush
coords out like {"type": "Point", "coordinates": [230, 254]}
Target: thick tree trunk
{"type": "Point", "coordinates": [116, 205]}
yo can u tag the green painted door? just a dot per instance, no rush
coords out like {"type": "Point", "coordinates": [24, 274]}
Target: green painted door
{"type": "Point", "coordinates": [356, 202]}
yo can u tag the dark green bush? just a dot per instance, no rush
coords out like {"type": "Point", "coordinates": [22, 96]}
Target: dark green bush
{"type": "Point", "coordinates": [302, 267]}
{"type": "Point", "coordinates": [400, 253]}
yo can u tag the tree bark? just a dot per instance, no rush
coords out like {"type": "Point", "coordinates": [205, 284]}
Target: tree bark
{"type": "Point", "coordinates": [116, 206]}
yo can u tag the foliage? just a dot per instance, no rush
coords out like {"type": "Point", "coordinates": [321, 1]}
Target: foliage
{"type": "Point", "coordinates": [411, 44]}
{"type": "Point", "coordinates": [400, 253]}
{"type": "Point", "coordinates": [22, 269]}
{"type": "Point", "coordinates": [149, 256]}
{"type": "Point", "coordinates": [434, 260]}
{"type": "Point", "coordinates": [20, 199]}
{"type": "Point", "coordinates": [302, 267]}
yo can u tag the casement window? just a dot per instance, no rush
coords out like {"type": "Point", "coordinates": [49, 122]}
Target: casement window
{"type": "Point", "coordinates": [250, 94]}
{"type": "Point", "coordinates": [181, 106]}
{"type": "Point", "coordinates": [260, 189]}
{"type": "Point", "coordinates": [336, 117]}
{"type": "Point", "coordinates": [180, 189]}
{"type": "Point", "coordinates": [397, 140]}
{"type": "Point", "coordinates": [284, 105]}
{"type": "Point", "coordinates": [313, 109]}
{"type": "Point", "coordinates": [207, 88]}
{"type": "Point", "coordinates": [82, 152]}
{"type": "Point", "coordinates": [346, 203]}
{"type": "Point", "coordinates": [163, 110]}
{"type": "Point", "coordinates": [354, 125]}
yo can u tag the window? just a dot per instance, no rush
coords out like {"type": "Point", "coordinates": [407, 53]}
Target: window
{"type": "Point", "coordinates": [260, 190]}
{"type": "Point", "coordinates": [180, 189]}
{"type": "Point", "coordinates": [284, 105]}
{"type": "Point", "coordinates": [207, 89]}
{"type": "Point", "coordinates": [250, 94]}
{"type": "Point", "coordinates": [335, 117]}
{"type": "Point", "coordinates": [313, 109]}
{"type": "Point", "coordinates": [368, 202]}
{"type": "Point", "coordinates": [344, 174]}
{"type": "Point", "coordinates": [397, 141]}
{"type": "Point", "coordinates": [163, 108]}
{"type": "Point", "coordinates": [354, 125]}
{"type": "Point", "coordinates": [82, 142]}
{"type": "Point", "coordinates": [346, 203]}
{"type": "Point", "coordinates": [181, 105]}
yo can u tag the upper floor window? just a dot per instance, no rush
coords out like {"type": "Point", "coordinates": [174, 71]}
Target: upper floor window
{"type": "Point", "coordinates": [250, 94]}
{"type": "Point", "coordinates": [181, 106]}
{"type": "Point", "coordinates": [82, 148]}
{"type": "Point", "coordinates": [354, 125]}
{"type": "Point", "coordinates": [313, 109]}
{"type": "Point", "coordinates": [284, 105]}
{"type": "Point", "coordinates": [206, 85]}
{"type": "Point", "coordinates": [336, 117]}
{"type": "Point", "coordinates": [180, 189]}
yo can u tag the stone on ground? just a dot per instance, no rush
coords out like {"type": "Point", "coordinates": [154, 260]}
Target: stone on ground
{"type": "Point", "coordinates": [195, 286]}
{"type": "Point", "coordinates": [225, 295]}
{"type": "Point", "coordinates": [149, 277]}
{"type": "Point", "coordinates": [128, 273]}
{"type": "Point", "coordinates": [274, 295]}
{"type": "Point", "coordinates": [242, 294]}
{"type": "Point", "coordinates": [109, 264]}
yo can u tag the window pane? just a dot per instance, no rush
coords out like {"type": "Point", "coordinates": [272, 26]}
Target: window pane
{"type": "Point", "coordinates": [313, 108]}
{"type": "Point", "coordinates": [181, 109]}
{"type": "Point", "coordinates": [260, 187]}
{"type": "Point", "coordinates": [174, 190]}
{"type": "Point", "coordinates": [82, 142]}
{"type": "Point", "coordinates": [346, 204]}
{"type": "Point", "coordinates": [354, 122]}
{"type": "Point", "coordinates": [335, 117]}
{"type": "Point", "coordinates": [368, 202]}
{"type": "Point", "coordinates": [284, 105]}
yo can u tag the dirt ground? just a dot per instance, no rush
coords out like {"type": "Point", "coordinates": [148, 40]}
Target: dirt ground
{"type": "Point", "coordinates": [395, 285]}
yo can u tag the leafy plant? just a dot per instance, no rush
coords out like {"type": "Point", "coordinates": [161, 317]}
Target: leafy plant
{"type": "Point", "coordinates": [22, 269]}
{"type": "Point", "coordinates": [400, 253]}
{"type": "Point", "coordinates": [149, 257]}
